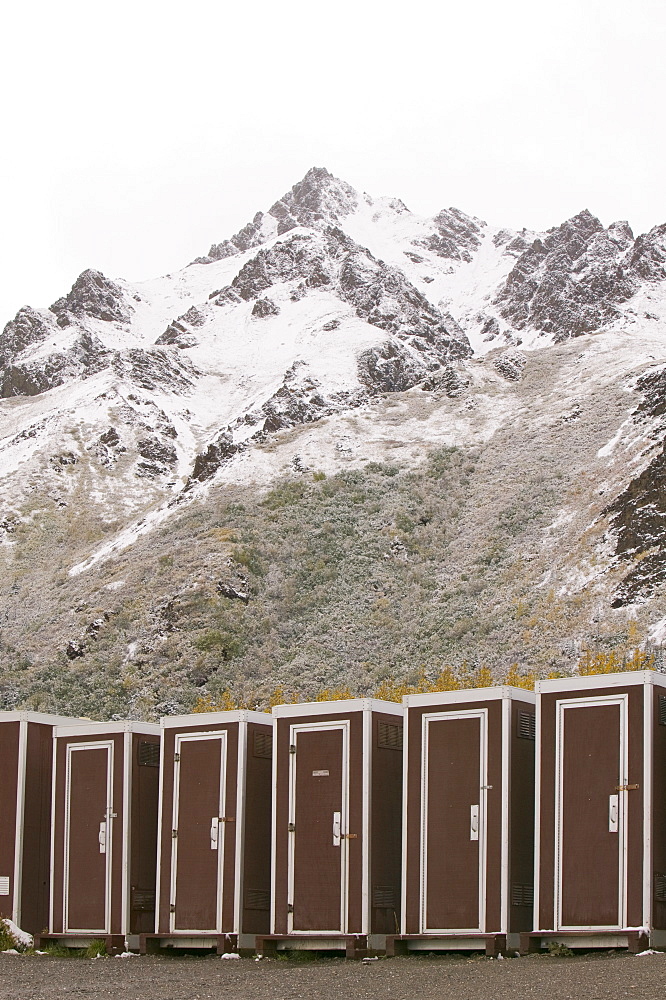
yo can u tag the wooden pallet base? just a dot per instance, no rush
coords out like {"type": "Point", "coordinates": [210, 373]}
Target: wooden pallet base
{"type": "Point", "coordinates": [156, 944]}
{"type": "Point", "coordinates": [633, 941]}
{"type": "Point", "coordinates": [115, 943]}
{"type": "Point", "coordinates": [353, 945]}
{"type": "Point", "coordinates": [492, 944]}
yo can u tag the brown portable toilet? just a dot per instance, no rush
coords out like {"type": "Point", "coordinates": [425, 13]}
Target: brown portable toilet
{"type": "Point", "coordinates": [337, 791]}
{"type": "Point", "coordinates": [26, 753]}
{"type": "Point", "coordinates": [104, 833]}
{"type": "Point", "coordinates": [468, 815]}
{"type": "Point", "coordinates": [214, 853]}
{"type": "Point", "coordinates": [600, 851]}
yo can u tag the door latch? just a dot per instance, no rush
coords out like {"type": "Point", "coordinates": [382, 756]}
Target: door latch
{"type": "Point", "coordinates": [474, 822]}
{"type": "Point", "coordinates": [626, 788]}
{"type": "Point", "coordinates": [613, 822]}
{"type": "Point", "coordinates": [337, 819]}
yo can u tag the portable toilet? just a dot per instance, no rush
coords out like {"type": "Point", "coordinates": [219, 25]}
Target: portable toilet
{"type": "Point", "coordinates": [600, 851]}
{"type": "Point", "coordinates": [26, 752]}
{"type": "Point", "coordinates": [214, 853]}
{"type": "Point", "coordinates": [104, 833]}
{"type": "Point", "coordinates": [337, 791]}
{"type": "Point", "coordinates": [468, 820]}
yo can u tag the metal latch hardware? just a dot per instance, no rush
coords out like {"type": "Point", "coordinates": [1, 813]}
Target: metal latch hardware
{"type": "Point", "coordinates": [176, 758]}
{"type": "Point", "coordinates": [350, 836]}
{"type": "Point", "coordinates": [292, 828]}
{"type": "Point", "coordinates": [487, 787]}
{"type": "Point", "coordinates": [292, 748]}
{"type": "Point", "coordinates": [227, 819]}
{"type": "Point", "coordinates": [172, 908]}
{"type": "Point", "coordinates": [290, 907]}
{"type": "Point", "coordinates": [174, 834]}
{"type": "Point", "coordinates": [626, 788]}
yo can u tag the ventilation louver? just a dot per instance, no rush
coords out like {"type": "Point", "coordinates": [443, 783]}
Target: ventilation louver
{"type": "Point", "coordinates": [662, 710]}
{"type": "Point", "coordinates": [383, 897]}
{"type": "Point", "coordinates": [149, 754]}
{"type": "Point", "coordinates": [526, 726]}
{"type": "Point", "coordinates": [389, 736]}
{"type": "Point", "coordinates": [257, 899]}
{"type": "Point", "coordinates": [522, 895]}
{"type": "Point", "coordinates": [263, 743]}
{"type": "Point", "coordinates": [660, 887]}
{"type": "Point", "coordinates": [143, 899]}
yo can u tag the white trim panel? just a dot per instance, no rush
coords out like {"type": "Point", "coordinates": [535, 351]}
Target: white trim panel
{"type": "Point", "coordinates": [344, 726]}
{"type": "Point", "coordinates": [314, 708]}
{"type": "Point", "coordinates": [181, 738]}
{"type": "Point", "coordinates": [469, 695]}
{"type": "Point", "coordinates": [562, 706]}
{"type": "Point", "coordinates": [482, 715]}
{"type": "Point", "coordinates": [70, 749]}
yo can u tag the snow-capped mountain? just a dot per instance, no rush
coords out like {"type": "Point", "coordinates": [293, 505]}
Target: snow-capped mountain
{"type": "Point", "coordinates": [334, 330]}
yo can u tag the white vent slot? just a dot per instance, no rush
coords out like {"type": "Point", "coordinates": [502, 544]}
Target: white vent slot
{"type": "Point", "coordinates": [4, 885]}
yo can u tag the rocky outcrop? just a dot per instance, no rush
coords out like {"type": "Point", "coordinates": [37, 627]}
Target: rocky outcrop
{"type": "Point", "coordinates": [648, 257]}
{"type": "Point", "coordinates": [638, 515]}
{"type": "Point", "coordinates": [179, 331]}
{"type": "Point", "coordinates": [571, 282]}
{"type": "Point", "coordinates": [319, 200]}
{"type": "Point", "coordinates": [510, 365]}
{"type": "Point", "coordinates": [28, 329]}
{"type": "Point", "coordinates": [85, 357]}
{"type": "Point", "coordinates": [456, 235]}
{"type": "Point", "coordinates": [92, 295]}
{"type": "Point", "coordinates": [379, 294]}
{"type": "Point", "coordinates": [155, 369]}
{"type": "Point", "coordinates": [265, 307]}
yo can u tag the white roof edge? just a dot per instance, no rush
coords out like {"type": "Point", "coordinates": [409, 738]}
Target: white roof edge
{"type": "Point", "coordinates": [624, 678]}
{"type": "Point", "coordinates": [502, 692]}
{"type": "Point", "coordinates": [337, 707]}
{"type": "Point", "coordinates": [100, 729]}
{"type": "Point", "coordinates": [215, 718]}
{"type": "Point", "coordinates": [41, 718]}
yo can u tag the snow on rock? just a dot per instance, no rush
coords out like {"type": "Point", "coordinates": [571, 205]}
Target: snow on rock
{"type": "Point", "coordinates": [329, 300]}
{"type": "Point", "coordinates": [20, 937]}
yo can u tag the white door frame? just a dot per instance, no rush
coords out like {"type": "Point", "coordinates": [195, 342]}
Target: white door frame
{"type": "Point", "coordinates": [309, 727]}
{"type": "Point", "coordinates": [181, 738]}
{"type": "Point", "coordinates": [107, 745]}
{"type": "Point", "coordinates": [482, 715]}
{"type": "Point", "coordinates": [564, 705]}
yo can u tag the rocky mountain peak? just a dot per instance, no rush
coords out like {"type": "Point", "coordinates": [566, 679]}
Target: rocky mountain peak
{"type": "Point", "coordinates": [94, 295]}
{"type": "Point", "coordinates": [318, 198]}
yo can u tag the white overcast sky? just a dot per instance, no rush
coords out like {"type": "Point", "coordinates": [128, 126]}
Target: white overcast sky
{"type": "Point", "coordinates": [137, 133]}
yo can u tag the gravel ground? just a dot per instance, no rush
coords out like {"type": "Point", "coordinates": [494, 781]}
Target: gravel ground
{"type": "Point", "coordinates": [608, 976]}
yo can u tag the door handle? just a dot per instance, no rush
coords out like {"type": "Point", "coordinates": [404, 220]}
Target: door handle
{"type": "Point", "coordinates": [474, 823]}
{"type": "Point", "coordinates": [101, 836]}
{"type": "Point", "coordinates": [336, 829]}
{"type": "Point", "coordinates": [613, 807]}
{"type": "Point", "coordinates": [214, 828]}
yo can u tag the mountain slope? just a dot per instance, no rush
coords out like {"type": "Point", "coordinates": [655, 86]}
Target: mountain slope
{"type": "Point", "coordinates": [405, 441]}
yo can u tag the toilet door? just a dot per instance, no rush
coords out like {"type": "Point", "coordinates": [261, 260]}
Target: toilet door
{"type": "Point", "coordinates": [591, 804]}
{"type": "Point", "coordinates": [198, 835]}
{"type": "Point", "coordinates": [318, 834]}
{"type": "Point", "coordinates": [89, 820]}
{"type": "Point", "coordinates": [453, 827]}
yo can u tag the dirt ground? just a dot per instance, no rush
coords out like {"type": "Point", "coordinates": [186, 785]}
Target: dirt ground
{"type": "Point", "coordinates": [607, 976]}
